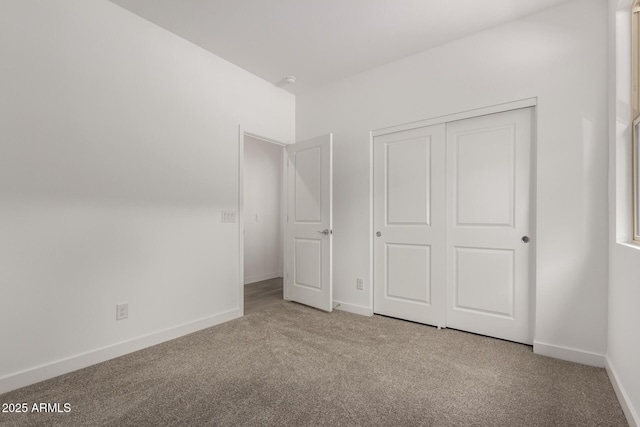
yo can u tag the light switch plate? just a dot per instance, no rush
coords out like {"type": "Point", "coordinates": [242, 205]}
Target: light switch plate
{"type": "Point", "coordinates": [228, 216]}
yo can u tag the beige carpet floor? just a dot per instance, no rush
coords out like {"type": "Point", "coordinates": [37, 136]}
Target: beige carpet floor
{"type": "Point", "coordinates": [289, 365]}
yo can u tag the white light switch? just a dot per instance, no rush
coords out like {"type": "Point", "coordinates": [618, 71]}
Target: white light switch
{"type": "Point", "coordinates": [228, 216]}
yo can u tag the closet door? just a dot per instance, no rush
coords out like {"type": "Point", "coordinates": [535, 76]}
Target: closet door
{"type": "Point", "coordinates": [409, 225]}
{"type": "Point", "coordinates": [488, 225]}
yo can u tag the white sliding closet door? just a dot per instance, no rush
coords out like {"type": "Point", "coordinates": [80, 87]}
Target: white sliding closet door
{"type": "Point", "coordinates": [409, 221]}
{"type": "Point", "coordinates": [488, 225]}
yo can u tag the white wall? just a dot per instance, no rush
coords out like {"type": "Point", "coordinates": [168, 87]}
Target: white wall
{"type": "Point", "coordinates": [623, 351]}
{"type": "Point", "coordinates": [558, 56]}
{"type": "Point", "coordinates": [262, 210]}
{"type": "Point", "coordinates": [118, 151]}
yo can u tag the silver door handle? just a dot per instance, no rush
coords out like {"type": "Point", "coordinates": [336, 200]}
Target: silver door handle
{"type": "Point", "coordinates": [525, 239]}
{"type": "Point", "coordinates": [325, 232]}
{"type": "Point", "coordinates": [378, 234]}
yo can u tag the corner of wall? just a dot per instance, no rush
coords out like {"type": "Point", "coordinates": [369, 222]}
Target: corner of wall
{"type": "Point", "coordinates": [632, 416]}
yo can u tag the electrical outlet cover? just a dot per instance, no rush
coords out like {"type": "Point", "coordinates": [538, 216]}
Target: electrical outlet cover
{"type": "Point", "coordinates": [122, 311]}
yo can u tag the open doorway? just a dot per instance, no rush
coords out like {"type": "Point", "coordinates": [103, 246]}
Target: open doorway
{"type": "Point", "coordinates": [262, 217]}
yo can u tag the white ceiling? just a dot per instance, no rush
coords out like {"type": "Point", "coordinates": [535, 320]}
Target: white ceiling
{"type": "Point", "coordinates": [320, 41]}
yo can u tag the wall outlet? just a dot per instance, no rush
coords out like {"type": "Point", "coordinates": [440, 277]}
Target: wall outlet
{"type": "Point", "coordinates": [122, 311]}
{"type": "Point", "coordinates": [360, 284]}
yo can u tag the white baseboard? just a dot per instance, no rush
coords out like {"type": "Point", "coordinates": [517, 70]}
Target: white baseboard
{"type": "Point", "coordinates": [625, 403]}
{"type": "Point", "coordinates": [569, 354]}
{"type": "Point", "coordinates": [352, 308]}
{"type": "Point", "coordinates": [73, 363]}
{"type": "Point", "coordinates": [261, 277]}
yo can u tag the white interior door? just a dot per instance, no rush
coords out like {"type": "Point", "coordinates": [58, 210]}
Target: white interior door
{"type": "Point", "coordinates": [409, 223]}
{"type": "Point", "coordinates": [308, 277]}
{"type": "Point", "coordinates": [488, 221]}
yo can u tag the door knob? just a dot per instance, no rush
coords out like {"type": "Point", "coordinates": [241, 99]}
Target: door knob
{"type": "Point", "coordinates": [378, 234]}
{"type": "Point", "coordinates": [525, 239]}
{"type": "Point", "coordinates": [325, 232]}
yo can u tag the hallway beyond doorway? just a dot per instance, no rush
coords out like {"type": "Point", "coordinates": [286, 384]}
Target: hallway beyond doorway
{"type": "Point", "coordinates": [260, 295]}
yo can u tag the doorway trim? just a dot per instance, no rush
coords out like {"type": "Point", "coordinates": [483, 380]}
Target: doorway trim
{"type": "Point", "coordinates": [242, 133]}
{"type": "Point", "coordinates": [493, 109]}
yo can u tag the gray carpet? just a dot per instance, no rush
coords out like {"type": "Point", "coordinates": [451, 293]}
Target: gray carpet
{"type": "Point", "coordinates": [295, 366]}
